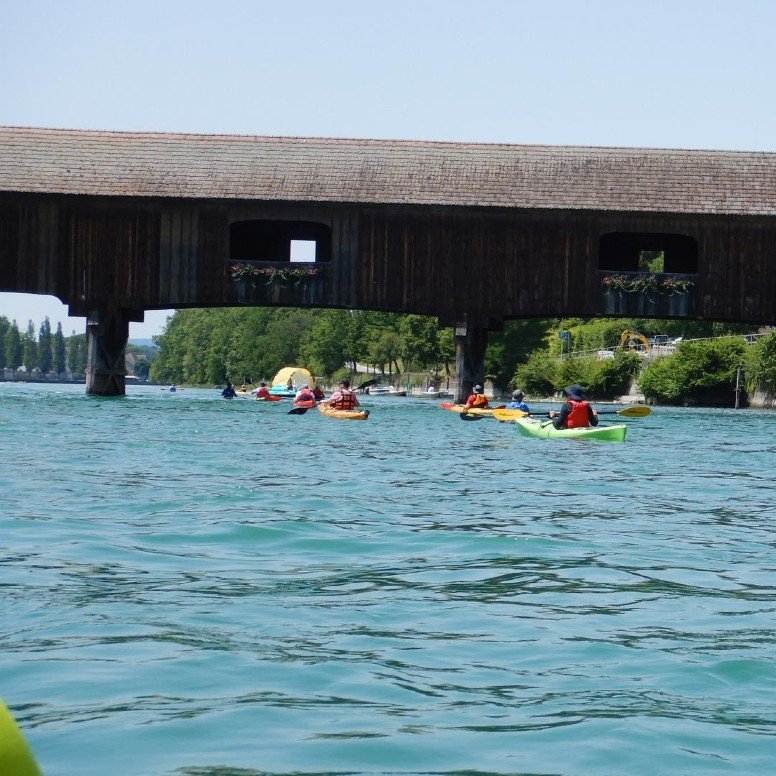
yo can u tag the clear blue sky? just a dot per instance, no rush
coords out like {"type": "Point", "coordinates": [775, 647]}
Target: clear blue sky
{"type": "Point", "coordinates": [663, 73]}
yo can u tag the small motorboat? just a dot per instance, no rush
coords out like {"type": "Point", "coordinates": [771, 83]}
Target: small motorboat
{"type": "Point", "coordinates": [382, 390]}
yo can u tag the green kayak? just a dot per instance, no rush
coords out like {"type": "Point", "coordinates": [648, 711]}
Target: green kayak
{"type": "Point", "coordinates": [15, 755]}
{"type": "Point", "coordinates": [533, 427]}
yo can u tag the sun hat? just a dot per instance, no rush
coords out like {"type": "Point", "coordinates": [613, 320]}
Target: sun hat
{"type": "Point", "coordinates": [518, 395]}
{"type": "Point", "coordinates": [576, 392]}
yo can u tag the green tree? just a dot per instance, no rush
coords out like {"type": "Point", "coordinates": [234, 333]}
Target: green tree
{"type": "Point", "coordinates": [602, 379]}
{"type": "Point", "coordinates": [142, 368]}
{"type": "Point", "coordinates": [12, 346]}
{"type": "Point", "coordinates": [59, 350]}
{"type": "Point", "coordinates": [5, 326]}
{"type": "Point", "coordinates": [45, 346]}
{"type": "Point", "coordinates": [698, 373]}
{"type": "Point", "coordinates": [512, 346]}
{"type": "Point", "coordinates": [538, 376]}
{"type": "Point", "coordinates": [385, 349]}
{"type": "Point", "coordinates": [419, 336]}
{"type": "Point", "coordinates": [760, 364]}
{"type": "Point", "coordinates": [446, 345]}
{"type": "Point", "coordinates": [30, 347]}
{"type": "Point", "coordinates": [77, 353]}
{"type": "Point", "coordinates": [327, 347]}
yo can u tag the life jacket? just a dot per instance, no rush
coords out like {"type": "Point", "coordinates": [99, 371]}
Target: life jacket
{"type": "Point", "coordinates": [578, 417]}
{"type": "Point", "coordinates": [477, 400]}
{"type": "Point", "coordinates": [262, 393]}
{"type": "Point", "coordinates": [304, 399]}
{"type": "Point", "coordinates": [347, 401]}
{"type": "Point", "coordinates": [318, 393]}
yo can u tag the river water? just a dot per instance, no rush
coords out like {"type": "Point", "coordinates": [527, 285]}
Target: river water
{"type": "Point", "coordinates": [195, 586]}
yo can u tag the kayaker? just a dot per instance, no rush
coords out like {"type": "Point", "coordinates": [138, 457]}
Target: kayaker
{"type": "Point", "coordinates": [228, 392]}
{"type": "Point", "coordinates": [343, 398]}
{"type": "Point", "coordinates": [517, 402]}
{"type": "Point", "coordinates": [477, 399]}
{"type": "Point", "coordinates": [304, 397]}
{"type": "Point", "coordinates": [575, 412]}
{"type": "Point", "coordinates": [263, 392]}
{"type": "Point", "coordinates": [318, 393]}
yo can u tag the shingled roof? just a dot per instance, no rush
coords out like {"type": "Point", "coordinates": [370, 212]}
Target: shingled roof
{"type": "Point", "coordinates": [385, 171]}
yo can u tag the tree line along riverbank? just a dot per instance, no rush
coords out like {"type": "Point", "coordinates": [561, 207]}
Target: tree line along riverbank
{"type": "Point", "coordinates": [210, 346]}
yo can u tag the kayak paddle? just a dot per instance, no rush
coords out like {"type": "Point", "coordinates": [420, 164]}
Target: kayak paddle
{"type": "Point", "coordinates": [298, 411]}
{"type": "Point", "coordinates": [635, 411]}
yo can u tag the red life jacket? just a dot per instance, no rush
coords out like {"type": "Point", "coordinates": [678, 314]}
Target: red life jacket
{"type": "Point", "coordinates": [578, 417]}
{"type": "Point", "coordinates": [304, 398]}
{"type": "Point", "coordinates": [347, 401]}
{"type": "Point", "coordinates": [262, 393]}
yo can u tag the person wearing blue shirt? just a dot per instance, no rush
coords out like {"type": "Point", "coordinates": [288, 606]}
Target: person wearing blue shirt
{"type": "Point", "coordinates": [517, 402]}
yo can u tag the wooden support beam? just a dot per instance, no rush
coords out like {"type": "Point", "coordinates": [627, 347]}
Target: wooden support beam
{"type": "Point", "coordinates": [106, 339]}
{"type": "Point", "coordinates": [470, 344]}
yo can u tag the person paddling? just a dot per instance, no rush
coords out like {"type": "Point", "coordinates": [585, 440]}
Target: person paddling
{"type": "Point", "coordinates": [343, 398]}
{"type": "Point", "coordinates": [575, 412]}
{"type": "Point", "coordinates": [263, 392]}
{"type": "Point", "coordinates": [477, 399]}
{"type": "Point", "coordinates": [304, 397]}
{"type": "Point", "coordinates": [517, 402]}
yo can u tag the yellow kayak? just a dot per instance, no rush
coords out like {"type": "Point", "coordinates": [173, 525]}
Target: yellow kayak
{"type": "Point", "coordinates": [324, 409]}
{"type": "Point", "coordinates": [459, 408]}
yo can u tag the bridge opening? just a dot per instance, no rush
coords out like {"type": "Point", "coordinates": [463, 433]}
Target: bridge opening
{"type": "Point", "coordinates": [648, 252]}
{"type": "Point", "coordinates": [281, 241]}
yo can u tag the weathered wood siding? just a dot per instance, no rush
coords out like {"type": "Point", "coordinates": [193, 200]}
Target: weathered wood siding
{"type": "Point", "coordinates": [489, 264]}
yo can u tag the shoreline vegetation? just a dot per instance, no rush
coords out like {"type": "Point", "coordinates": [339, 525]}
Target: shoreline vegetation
{"type": "Point", "coordinates": [712, 364]}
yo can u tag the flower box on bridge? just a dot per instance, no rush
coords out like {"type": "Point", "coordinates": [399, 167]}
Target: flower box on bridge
{"type": "Point", "coordinates": [647, 294]}
{"type": "Point", "coordinates": [259, 282]}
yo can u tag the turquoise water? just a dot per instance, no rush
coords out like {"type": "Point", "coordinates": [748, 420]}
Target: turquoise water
{"type": "Point", "coordinates": [194, 586]}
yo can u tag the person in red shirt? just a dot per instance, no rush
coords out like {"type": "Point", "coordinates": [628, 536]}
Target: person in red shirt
{"type": "Point", "coordinates": [575, 412]}
{"type": "Point", "coordinates": [477, 399]}
{"type": "Point", "coordinates": [263, 392]}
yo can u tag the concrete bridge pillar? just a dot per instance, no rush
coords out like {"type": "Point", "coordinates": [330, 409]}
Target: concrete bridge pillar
{"type": "Point", "coordinates": [106, 340]}
{"type": "Point", "coordinates": [470, 344]}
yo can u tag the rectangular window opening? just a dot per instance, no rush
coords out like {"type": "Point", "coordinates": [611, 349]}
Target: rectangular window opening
{"type": "Point", "coordinates": [303, 250]}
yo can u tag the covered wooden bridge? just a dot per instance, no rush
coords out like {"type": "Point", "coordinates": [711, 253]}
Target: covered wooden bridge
{"type": "Point", "coordinates": [116, 223]}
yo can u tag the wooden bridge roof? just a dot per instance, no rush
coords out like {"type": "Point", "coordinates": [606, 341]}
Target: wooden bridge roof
{"type": "Point", "coordinates": [139, 164]}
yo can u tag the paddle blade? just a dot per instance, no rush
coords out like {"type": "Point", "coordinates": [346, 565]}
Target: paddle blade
{"type": "Point", "coordinates": [508, 415]}
{"type": "Point", "coordinates": [636, 411]}
{"type": "Point", "coordinates": [298, 411]}
{"type": "Point", "coordinates": [467, 416]}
